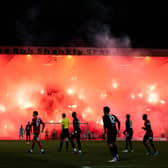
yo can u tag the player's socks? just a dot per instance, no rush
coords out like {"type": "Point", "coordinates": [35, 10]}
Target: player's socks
{"type": "Point", "coordinates": [67, 145]}
{"type": "Point", "coordinates": [130, 143]}
{"type": "Point", "coordinates": [72, 143]}
{"type": "Point", "coordinates": [61, 144]}
{"type": "Point", "coordinates": [148, 149]}
{"type": "Point", "coordinates": [154, 148]}
{"type": "Point", "coordinates": [115, 150]}
{"type": "Point", "coordinates": [79, 144]}
{"type": "Point", "coordinates": [111, 150]}
{"type": "Point", "coordinates": [156, 153]}
{"type": "Point", "coordinates": [126, 147]}
{"type": "Point", "coordinates": [39, 143]}
{"type": "Point", "coordinates": [33, 144]}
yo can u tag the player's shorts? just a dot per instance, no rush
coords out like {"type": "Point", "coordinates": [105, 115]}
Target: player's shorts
{"type": "Point", "coordinates": [148, 136]}
{"type": "Point", "coordinates": [36, 136]}
{"type": "Point", "coordinates": [111, 137]}
{"type": "Point", "coordinates": [129, 135]}
{"type": "Point", "coordinates": [65, 133]}
{"type": "Point", "coordinates": [27, 133]}
{"type": "Point", "coordinates": [76, 134]}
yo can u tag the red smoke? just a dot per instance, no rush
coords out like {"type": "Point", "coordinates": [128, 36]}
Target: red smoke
{"type": "Point", "coordinates": [53, 85]}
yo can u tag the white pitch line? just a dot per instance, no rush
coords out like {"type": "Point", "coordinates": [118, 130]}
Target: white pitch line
{"type": "Point", "coordinates": [102, 166]}
{"type": "Point", "coordinates": [128, 166]}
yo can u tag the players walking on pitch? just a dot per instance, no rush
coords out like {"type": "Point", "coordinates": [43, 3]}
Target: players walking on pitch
{"type": "Point", "coordinates": [36, 122]}
{"type": "Point", "coordinates": [110, 129]}
{"type": "Point", "coordinates": [148, 137]}
{"type": "Point", "coordinates": [65, 132]}
{"type": "Point", "coordinates": [110, 121]}
{"type": "Point", "coordinates": [128, 133]}
{"type": "Point", "coordinates": [76, 134]}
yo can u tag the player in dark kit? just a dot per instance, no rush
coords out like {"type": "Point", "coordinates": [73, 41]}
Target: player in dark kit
{"type": "Point", "coordinates": [128, 133]}
{"type": "Point", "coordinates": [36, 122]}
{"type": "Point", "coordinates": [148, 136]}
{"type": "Point", "coordinates": [28, 131]}
{"type": "Point", "coordinates": [111, 130]}
{"type": "Point", "coordinates": [76, 134]}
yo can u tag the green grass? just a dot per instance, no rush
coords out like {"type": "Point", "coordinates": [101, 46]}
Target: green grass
{"type": "Point", "coordinates": [96, 155]}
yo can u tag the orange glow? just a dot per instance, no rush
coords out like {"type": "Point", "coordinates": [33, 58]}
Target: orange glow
{"type": "Point", "coordinates": [29, 56]}
{"type": "Point", "coordinates": [81, 97]}
{"type": "Point", "coordinates": [69, 56]}
{"type": "Point", "coordinates": [140, 95]}
{"type": "Point", "coordinates": [42, 91]}
{"type": "Point", "coordinates": [103, 95]}
{"type": "Point", "coordinates": [115, 85]}
{"type": "Point", "coordinates": [152, 87]}
{"type": "Point", "coordinates": [147, 58]}
{"type": "Point", "coordinates": [51, 121]}
{"type": "Point", "coordinates": [70, 91]}
{"type": "Point", "coordinates": [24, 104]}
{"type": "Point", "coordinates": [73, 78]}
{"type": "Point", "coordinates": [153, 98]}
{"type": "Point", "coordinates": [84, 84]}
{"type": "Point", "coordinates": [5, 126]}
{"type": "Point", "coordinates": [133, 96]}
{"type": "Point", "coordinates": [74, 106]}
{"type": "Point", "coordinates": [162, 102]}
{"type": "Point", "coordinates": [2, 108]}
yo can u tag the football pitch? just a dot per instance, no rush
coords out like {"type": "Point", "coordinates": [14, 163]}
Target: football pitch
{"type": "Point", "coordinates": [96, 155]}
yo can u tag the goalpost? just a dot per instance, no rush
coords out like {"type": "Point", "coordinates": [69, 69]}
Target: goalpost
{"type": "Point", "coordinates": [54, 130]}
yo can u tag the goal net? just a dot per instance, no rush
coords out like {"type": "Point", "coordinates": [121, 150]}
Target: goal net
{"type": "Point", "coordinates": [53, 130]}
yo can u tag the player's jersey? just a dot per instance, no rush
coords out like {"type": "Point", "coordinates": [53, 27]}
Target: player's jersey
{"type": "Point", "coordinates": [128, 125]}
{"type": "Point", "coordinates": [28, 128]}
{"type": "Point", "coordinates": [148, 127]}
{"type": "Point", "coordinates": [46, 132]}
{"type": "Point", "coordinates": [36, 125]}
{"type": "Point", "coordinates": [76, 125]}
{"type": "Point", "coordinates": [65, 123]}
{"type": "Point", "coordinates": [21, 130]}
{"type": "Point", "coordinates": [110, 122]}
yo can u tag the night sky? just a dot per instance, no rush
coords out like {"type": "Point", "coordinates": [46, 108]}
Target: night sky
{"type": "Point", "coordinates": [77, 23]}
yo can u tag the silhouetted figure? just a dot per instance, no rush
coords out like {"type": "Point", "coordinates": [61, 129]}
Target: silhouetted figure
{"type": "Point", "coordinates": [110, 121]}
{"type": "Point", "coordinates": [36, 122]}
{"type": "Point", "coordinates": [46, 134]}
{"type": "Point", "coordinates": [128, 132]}
{"type": "Point", "coordinates": [21, 132]}
{"type": "Point", "coordinates": [28, 132]}
{"type": "Point", "coordinates": [148, 137]}
{"type": "Point", "coordinates": [76, 133]}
